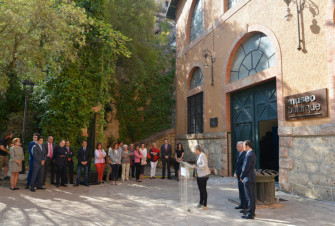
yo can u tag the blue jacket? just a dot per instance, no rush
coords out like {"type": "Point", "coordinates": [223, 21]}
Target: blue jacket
{"type": "Point", "coordinates": [30, 147]}
{"type": "Point", "coordinates": [239, 164]}
{"type": "Point", "coordinates": [248, 169]}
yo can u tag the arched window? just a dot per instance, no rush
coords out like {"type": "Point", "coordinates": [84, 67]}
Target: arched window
{"type": "Point", "coordinates": [195, 119]}
{"type": "Point", "coordinates": [197, 79]}
{"type": "Point", "coordinates": [255, 54]}
{"type": "Point", "coordinates": [196, 20]}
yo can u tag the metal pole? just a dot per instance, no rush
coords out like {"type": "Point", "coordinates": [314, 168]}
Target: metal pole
{"type": "Point", "coordinates": [212, 68]}
{"type": "Point", "coordinates": [298, 19]}
{"type": "Point", "coordinates": [26, 94]}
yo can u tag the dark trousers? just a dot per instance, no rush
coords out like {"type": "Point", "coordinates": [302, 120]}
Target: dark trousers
{"type": "Point", "coordinates": [202, 184]}
{"type": "Point", "coordinates": [166, 162]}
{"type": "Point", "coordinates": [37, 175]}
{"type": "Point", "coordinates": [49, 167]}
{"type": "Point", "coordinates": [71, 168]}
{"type": "Point", "coordinates": [243, 200]}
{"type": "Point", "coordinates": [85, 174]}
{"type": "Point", "coordinates": [133, 169]}
{"type": "Point", "coordinates": [250, 189]}
{"type": "Point", "coordinates": [30, 172]}
{"type": "Point", "coordinates": [115, 171]}
{"type": "Point", "coordinates": [138, 170]}
{"type": "Point", "coordinates": [176, 169]}
{"type": "Point", "coordinates": [61, 171]}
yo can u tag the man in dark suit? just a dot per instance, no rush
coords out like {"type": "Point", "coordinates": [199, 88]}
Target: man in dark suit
{"type": "Point", "coordinates": [237, 174]}
{"type": "Point", "coordinates": [166, 151]}
{"type": "Point", "coordinates": [70, 163]}
{"type": "Point", "coordinates": [39, 161]}
{"type": "Point", "coordinates": [49, 148]}
{"type": "Point", "coordinates": [31, 160]}
{"type": "Point", "coordinates": [248, 177]}
{"type": "Point", "coordinates": [84, 158]}
{"type": "Point", "coordinates": [60, 156]}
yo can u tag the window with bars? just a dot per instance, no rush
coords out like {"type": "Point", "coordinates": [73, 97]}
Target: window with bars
{"type": "Point", "coordinates": [196, 21]}
{"type": "Point", "coordinates": [195, 113]}
{"type": "Point", "coordinates": [254, 55]}
{"type": "Point", "coordinates": [197, 79]}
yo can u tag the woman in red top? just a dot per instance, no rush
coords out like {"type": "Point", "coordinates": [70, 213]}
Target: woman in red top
{"type": "Point", "coordinates": [153, 156]}
{"type": "Point", "coordinates": [138, 156]}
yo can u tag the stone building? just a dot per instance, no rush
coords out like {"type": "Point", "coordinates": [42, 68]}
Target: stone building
{"type": "Point", "coordinates": [259, 70]}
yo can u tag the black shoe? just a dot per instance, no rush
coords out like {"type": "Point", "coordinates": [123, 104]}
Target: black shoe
{"type": "Point", "coordinates": [244, 211]}
{"type": "Point", "coordinates": [41, 188]}
{"type": "Point", "coordinates": [64, 185]}
{"type": "Point", "coordinates": [248, 217]}
{"type": "Point", "coordinates": [71, 183]}
{"type": "Point", "coordinates": [32, 189]}
{"type": "Point", "coordinates": [75, 185]}
{"type": "Point", "coordinates": [57, 185]}
{"type": "Point", "coordinates": [6, 178]}
{"type": "Point", "coordinates": [169, 178]}
{"type": "Point", "coordinates": [11, 188]}
{"type": "Point", "coordinates": [238, 208]}
{"type": "Point", "coordinates": [162, 178]}
{"type": "Point", "coordinates": [16, 188]}
{"type": "Point", "coordinates": [27, 187]}
{"type": "Point", "coordinates": [86, 185]}
{"type": "Point", "coordinates": [50, 183]}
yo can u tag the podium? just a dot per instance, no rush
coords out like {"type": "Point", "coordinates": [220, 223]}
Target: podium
{"type": "Point", "coordinates": [186, 186]}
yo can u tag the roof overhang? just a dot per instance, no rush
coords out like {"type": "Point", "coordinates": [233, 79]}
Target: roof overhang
{"type": "Point", "coordinates": [171, 12]}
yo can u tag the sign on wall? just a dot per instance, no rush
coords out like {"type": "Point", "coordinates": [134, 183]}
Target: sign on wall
{"type": "Point", "coordinates": [313, 104]}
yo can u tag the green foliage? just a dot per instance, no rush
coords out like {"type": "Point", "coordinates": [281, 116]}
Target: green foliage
{"type": "Point", "coordinates": [66, 98]}
{"type": "Point", "coordinates": [37, 36]}
{"type": "Point", "coordinates": [144, 91]}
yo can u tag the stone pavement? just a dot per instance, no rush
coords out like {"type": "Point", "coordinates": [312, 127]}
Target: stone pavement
{"type": "Point", "coordinates": [152, 202]}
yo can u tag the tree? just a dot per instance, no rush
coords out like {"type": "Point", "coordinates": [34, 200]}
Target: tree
{"type": "Point", "coordinates": [65, 98]}
{"type": "Point", "coordinates": [143, 91]}
{"type": "Point", "coordinates": [38, 35]}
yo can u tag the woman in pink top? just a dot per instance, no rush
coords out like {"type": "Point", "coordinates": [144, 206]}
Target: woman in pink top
{"type": "Point", "coordinates": [138, 156]}
{"type": "Point", "coordinates": [99, 161]}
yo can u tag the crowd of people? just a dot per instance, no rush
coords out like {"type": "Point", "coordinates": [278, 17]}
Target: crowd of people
{"type": "Point", "coordinates": [55, 161]}
{"type": "Point", "coordinates": [49, 158]}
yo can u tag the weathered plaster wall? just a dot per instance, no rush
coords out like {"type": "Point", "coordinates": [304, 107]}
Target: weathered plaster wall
{"type": "Point", "coordinates": [296, 72]}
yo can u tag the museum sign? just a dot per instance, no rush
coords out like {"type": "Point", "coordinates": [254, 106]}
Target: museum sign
{"type": "Point", "coordinates": [311, 104]}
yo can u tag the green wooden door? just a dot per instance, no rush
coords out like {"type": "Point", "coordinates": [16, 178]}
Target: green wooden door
{"type": "Point", "coordinates": [248, 107]}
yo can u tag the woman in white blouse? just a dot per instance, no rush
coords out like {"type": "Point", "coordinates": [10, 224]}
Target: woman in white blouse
{"type": "Point", "coordinates": [143, 160]}
{"type": "Point", "coordinates": [202, 176]}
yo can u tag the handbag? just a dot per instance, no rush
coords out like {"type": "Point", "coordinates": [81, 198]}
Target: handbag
{"type": "Point", "coordinates": [143, 161]}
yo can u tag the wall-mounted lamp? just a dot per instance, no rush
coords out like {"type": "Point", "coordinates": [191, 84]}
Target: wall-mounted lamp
{"type": "Point", "coordinates": [289, 16]}
{"type": "Point", "coordinates": [207, 53]}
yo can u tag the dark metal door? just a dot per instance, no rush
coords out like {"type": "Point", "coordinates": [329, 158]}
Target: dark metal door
{"type": "Point", "coordinates": [248, 107]}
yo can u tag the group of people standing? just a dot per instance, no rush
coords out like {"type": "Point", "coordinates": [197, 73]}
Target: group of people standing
{"type": "Point", "coordinates": [45, 158]}
{"type": "Point", "coordinates": [246, 179]}
{"type": "Point", "coordinates": [55, 160]}
{"type": "Point", "coordinates": [133, 159]}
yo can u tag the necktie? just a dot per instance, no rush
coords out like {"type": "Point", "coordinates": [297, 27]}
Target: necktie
{"type": "Point", "coordinates": [165, 147]}
{"type": "Point", "coordinates": [84, 154]}
{"type": "Point", "coordinates": [50, 150]}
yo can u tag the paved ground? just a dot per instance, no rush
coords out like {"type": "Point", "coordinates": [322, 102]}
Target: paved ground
{"type": "Point", "coordinates": [152, 202]}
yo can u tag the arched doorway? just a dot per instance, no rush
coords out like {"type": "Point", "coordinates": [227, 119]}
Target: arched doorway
{"type": "Point", "coordinates": [253, 110]}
